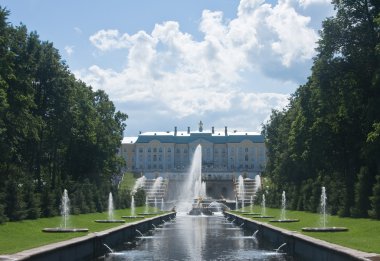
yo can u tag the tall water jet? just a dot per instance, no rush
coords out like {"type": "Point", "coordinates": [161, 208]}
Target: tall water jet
{"type": "Point", "coordinates": [323, 218]}
{"type": "Point", "coordinates": [162, 204]}
{"type": "Point", "coordinates": [146, 205]}
{"type": "Point", "coordinates": [193, 184]}
{"type": "Point", "coordinates": [241, 191]}
{"type": "Point", "coordinates": [133, 211]}
{"type": "Point", "coordinates": [155, 204]}
{"type": "Point", "coordinates": [251, 204]}
{"type": "Point", "coordinates": [65, 209]}
{"type": "Point", "coordinates": [323, 208]}
{"type": "Point", "coordinates": [110, 212]}
{"type": "Point", "coordinates": [263, 208]}
{"type": "Point", "coordinates": [110, 207]}
{"type": "Point", "coordinates": [283, 211]}
{"type": "Point", "coordinates": [283, 206]}
{"type": "Point", "coordinates": [65, 214]}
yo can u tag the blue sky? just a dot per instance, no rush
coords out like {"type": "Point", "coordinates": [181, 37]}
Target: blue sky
{"type": "Point", "coordinates": [173, 63]}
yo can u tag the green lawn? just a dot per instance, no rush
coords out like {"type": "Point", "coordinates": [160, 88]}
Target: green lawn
{"type": "Point", "coordinates": [363, 234]}
{"type": "Point", "coordinates": [18, 236]}
{"type": "Point", "coordinates": [128, 181]}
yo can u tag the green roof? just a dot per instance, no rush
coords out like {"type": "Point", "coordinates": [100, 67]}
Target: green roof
{"type": "Point", "coordinates": [189, 138]}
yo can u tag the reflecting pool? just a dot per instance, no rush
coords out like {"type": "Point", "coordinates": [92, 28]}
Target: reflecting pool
{"type": "Point", "coordinates": [197, 238]}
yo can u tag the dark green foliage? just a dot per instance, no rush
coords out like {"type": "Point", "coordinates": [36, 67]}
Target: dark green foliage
{"type": "Point", "coordinates": [329, 135]}
{"type": "Point", "coordinates": [3, 217]}
{"type": "Point", "coordinates": [32, 202]}
{"type": "Point", "coordinates": [375, 200]}
{"type": "Point", "coordinates": [362, 193]}
{"type": "Point", "coordinates": [49, 205]}
{"type": "Point", "coordinates": [55, 131]}
{"type": "Point", "coordinates": [14, 202]}
{"type": "Point", "coordinates": [124, 199]}
{"type": "Point", "coordinates": [140, 197]}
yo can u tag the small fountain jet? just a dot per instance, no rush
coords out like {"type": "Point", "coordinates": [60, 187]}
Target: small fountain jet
{"type": "Point", "coordinates": [279, 248]}
{"type": "Point", "coordinates": [109, 249]}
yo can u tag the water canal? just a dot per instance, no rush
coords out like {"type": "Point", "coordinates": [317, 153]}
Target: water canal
{"type": "Point", "coordinates": [197, 238]}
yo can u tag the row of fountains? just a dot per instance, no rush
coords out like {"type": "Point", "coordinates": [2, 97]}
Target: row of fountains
{"type": "Point", "coordinates": [65, 214]}
{"type": "Point", "coordinates": [283, 219]}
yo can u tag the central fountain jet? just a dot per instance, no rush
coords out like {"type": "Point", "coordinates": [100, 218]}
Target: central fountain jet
{"type": "Point", "coordinates": [193, 191]}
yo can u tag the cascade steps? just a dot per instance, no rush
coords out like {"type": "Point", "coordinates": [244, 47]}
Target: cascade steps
{"type": "Point", "coordinates": [250, 188]}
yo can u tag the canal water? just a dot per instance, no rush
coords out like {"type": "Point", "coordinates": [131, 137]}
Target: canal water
{"type": "Point", "coordinates": [197, 238]}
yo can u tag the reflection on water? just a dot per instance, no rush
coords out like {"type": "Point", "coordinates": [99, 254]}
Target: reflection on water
{"type": "Point", "coordinates": [196, 238]}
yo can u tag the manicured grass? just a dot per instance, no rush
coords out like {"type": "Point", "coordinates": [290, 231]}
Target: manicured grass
{"type": "Point", "coordinates": [363, 234]}
{"type": "Point", "coordinates": [18, 236]}
{"type": "Point", "coordinates": [128, 181]}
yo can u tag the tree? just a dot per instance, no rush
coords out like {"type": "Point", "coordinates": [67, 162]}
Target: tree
{"type": "Point", "coordinates": [328, 135]}
{"type": "Point", "coordinates": [375, 200]}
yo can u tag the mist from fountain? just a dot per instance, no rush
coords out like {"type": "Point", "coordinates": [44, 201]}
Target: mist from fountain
{"type": "Point", "coordinates": [156, 186]}
{"type": "Point", "coordinates": [192, 187]}
{"type": "Point", "coordinates": [203, 189]}
{"type": "Point", "coordinates": [257, 182]}
{"type": "Point", "coordinates": [65, 209]}
{"type": "Point", "coordinates": [110, 207]}
{"type": "Point", "coordinates": [283, 206]}
{"type": "Point", "coordinates": [251, 204]}
{"type": "Point", "coordinates": [140, 182]}
{"type": "Point", "coordinates": [133, 210]}
{"type": "Point", "coordinates": [263, 209]}
{"type": "Point", "coordinates": [146, 205]}
{"type": "Point", "coordinates": [323, 208]}
{"type": "Point", "coordinates": [241, 191]}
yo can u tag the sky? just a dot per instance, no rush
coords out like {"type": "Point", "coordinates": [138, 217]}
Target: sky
{"type": "Point", "coordinates": [174, 63]}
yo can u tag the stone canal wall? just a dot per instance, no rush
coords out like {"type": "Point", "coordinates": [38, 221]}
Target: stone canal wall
{"type": "Point", "coordinates": [91, 246]}
{"type": "Point", "coordinates": [299, 246]}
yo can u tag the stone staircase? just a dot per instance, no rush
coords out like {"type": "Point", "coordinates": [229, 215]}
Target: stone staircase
{"type": "Point", "coordinates": [156, 189]}
{"type": "Point", "coordinates": [249, 190]}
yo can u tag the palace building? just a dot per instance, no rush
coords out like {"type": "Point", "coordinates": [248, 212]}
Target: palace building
{"type": "Point", "coordinates": [225, 154]}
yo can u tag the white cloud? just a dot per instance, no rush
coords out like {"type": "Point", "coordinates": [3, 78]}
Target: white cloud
{"type": "Point", "coordinates": [263, 102]}
{"type": "Point", "coordinates": [296, 41]}
{"type": "Point", "coordinates": [306, 3]}
{"type": "Point", "coordinates": [109, 39]}
{"type": "Point", "coordinates": [69, 50]}
{"type": "Point", "coordinates": [168, 70]}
